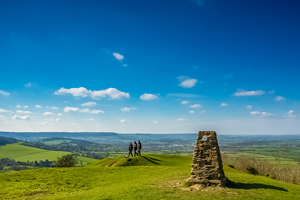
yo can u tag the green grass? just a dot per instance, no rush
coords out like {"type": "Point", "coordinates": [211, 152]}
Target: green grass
{"type": "Point", "coordinates": [23, 153]}
{"type": "Point", "coordinates": [148, 177]}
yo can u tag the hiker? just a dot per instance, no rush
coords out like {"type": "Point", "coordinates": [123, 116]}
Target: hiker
{"type": "Point", "coordinates": [139, 147]}
{"type": "Point", "coordinates": [135, 148]}
{"type": "Point", "coordinates": [130, 149]}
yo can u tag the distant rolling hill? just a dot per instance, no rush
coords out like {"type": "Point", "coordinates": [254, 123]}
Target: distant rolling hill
{"type": "Point", "coordinates": [23, 153]}
{"type": "Point", "coordinates": [148, 177]}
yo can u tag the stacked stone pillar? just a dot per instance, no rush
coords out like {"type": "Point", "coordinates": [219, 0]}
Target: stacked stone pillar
{"type": "Point", "coordinates": [207, 167]}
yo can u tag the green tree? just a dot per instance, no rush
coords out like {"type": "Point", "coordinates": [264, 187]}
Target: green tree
{"type": "Point", "coordinates": [69, 160]}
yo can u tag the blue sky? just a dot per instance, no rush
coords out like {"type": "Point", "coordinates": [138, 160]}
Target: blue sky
{"type": "Point", "coordinates": [156, 66]}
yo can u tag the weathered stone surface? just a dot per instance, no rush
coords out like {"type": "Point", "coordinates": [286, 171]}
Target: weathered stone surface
{"type": "Point", "coordinates": [207, 167]}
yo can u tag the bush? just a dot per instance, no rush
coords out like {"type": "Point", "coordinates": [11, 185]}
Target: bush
{"type": "Point", "coordinates": [69, 160]}
{"type": "Point", "coordinates": [250, 165]}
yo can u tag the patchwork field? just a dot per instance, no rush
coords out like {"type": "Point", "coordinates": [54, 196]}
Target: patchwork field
{"type": "Point", "coordinates": [147, 177]}
{"type": "Point", "coordinates": [23, 153]}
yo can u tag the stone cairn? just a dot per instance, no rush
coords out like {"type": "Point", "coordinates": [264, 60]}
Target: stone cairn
{"type": "Point", "coordinates": [207, 167]}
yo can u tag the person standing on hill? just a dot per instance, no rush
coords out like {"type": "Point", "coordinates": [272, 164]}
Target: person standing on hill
{"type": "Point", "coordinates": [130, 149]}
{"type": "Point", "coordinates": [139, 147]}
{"type": "Point", "coordinates": [135, 148]}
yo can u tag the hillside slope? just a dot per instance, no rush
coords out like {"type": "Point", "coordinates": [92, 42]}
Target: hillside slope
{"type": "Point", "coordinates": [23, 153]}
{"type": "Point", "coordinates": [148, 177]}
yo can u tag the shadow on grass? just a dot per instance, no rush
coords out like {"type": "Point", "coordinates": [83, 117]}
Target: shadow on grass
{"type": "Point", "coordinates": [250, 186]}
{"type": "Point", "coordinates": [151, 160]}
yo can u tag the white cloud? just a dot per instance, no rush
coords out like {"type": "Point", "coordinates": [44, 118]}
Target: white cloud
{"type": "Point", "coordinates": [25, 106]}
{"type": "Point", "coordinates": [255, 113]}
{"type": "Point", "coordinates": [57, 119]}
{"type": "Point", "coordinates": [187, 82]}
{"type": "Point", "coordinates": [122, 120]}
{"type": "Point", "coordinates": [90, 103]}
{"type": "Point", "coordinates": [184, 102]}
{"type": "Point", "coordinates": [249, 107]}
{"type": "Point", "coordinates": [127, 109]}
{"type": "Point", "coordinates": [68, 109]}
{"type": "Point", "coordinates": [262, 114]}
{"type": "Point", "coordinates": [54, 108]}
{"type": "Point", "coordinates": [3, 93]}
{"type": "Point", "coordinates": [223, 104]}
{"type": "Point", "coordinates": [249, 93]}
{"type": "Point", "coordinates": [112, 93]}
{"type": "Point", "coordinates": [18, 106]}
{"type": "Point", "coordinates": [290, 112]}
{"type": "Point", "coordinates": [279, 98]}
{"type": "Point", "coordinates": [23, 112]}
{"type": "Point", "coordinates": [271, 92]}
{"type": "Point", "coordinates": [292, 116]}
{"type": "Point", "coordinates": [25, 117]}
{"type": "Point", "coordinates": [155, 122]}
{"type": "Point", "coordinates": [91, 119]}
{"type": "Point", "coordinates": [192, 111]}
{"type": "Point", "coordinates": [118, 56]}
{"type": "Point", "coordinates": [146, 96]}
{"type": "Point", "coordinates": [98, 125]}
{"type": "Point", "coordinates": [181, 119]}
{"type": "Point", "coordinates": [2, 110]}
{"type": "Point", "coordinates": [28, 84]}
{"type": "Point", "coordinates": [2, 117]}
{"type": "Point", "coordinates": [124, 65]}
{"type": "Point", "coordinates": [60, 114]}
{"type": "Point", "coordinates": [202, 112]}
{"type": "Point", "coordinates": [48, 113]}
{"type": "Point", "coordinates": [195, 106]}
{"type": "Point", "coordinates": [266, 114]}
{"type": "Point", "coordinates": [86, 110]}
{"type": "Point", "coordinates": [38, 106]}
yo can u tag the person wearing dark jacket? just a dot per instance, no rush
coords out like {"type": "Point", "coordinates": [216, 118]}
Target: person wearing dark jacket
{"type": "Point", "coordinates": [139, 147]}
{"type": "Point", "coordinates": [130, 149]}
{"type": "Point", "coordinates": [135, 148]}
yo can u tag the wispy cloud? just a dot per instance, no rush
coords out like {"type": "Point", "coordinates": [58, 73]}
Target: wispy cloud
{"type": "Point", "coordinates": [249, 107]}
{"type": "Point", "coordinates": [23, 112]}
{"type": "Point", "coordinates": [249, 93]}
{"type": "Point", "coordinates": [184, 102]}
{"type": "Point", "coordinates": [195, 106]}
{"type": "Point", "coordinates": [90, 119]}
{"type": "Point", "coordinates": [128, 109]}
{"type": "Point", "coordinates": [223, 104]}
{"type": "Point", "coordinates": [279, 98]}
{"type": "Point", "coordinates": [25, 117]}
{"type": "Point", "coordinates": [191, 111]}
{"type": "Point", "coordinates": [146, 96]}
{"type": "Point", "coordinates": [38, 106]}
{"type": "Point", "coordinates": [3, 111]}
{"type": "Point", "coordinates": [155, 122]}
{"type": "Point", "coordinates": [68, 109]}
{"type": "Point", "coordinates": [112, 93]}
{"type": "Point", "coordinates": [48, 113]}
{"type": "Point", "coordinates": [187, 82]}
{"type": "Point", "coordinates": [183, 95]}
{"type": "Point", "coordinates": [86, 110]}
{"type": "Point", "coordinates": [122, 120]}
{"type": "Point", "coordinates": [262, 114]}
{"type": "Point", "coordinates": [181, 119]}
{"type": "Point", "coordinates": [118, 56]}
{"type": "Point", "coordinates": [290, 112]}
{"type": "Point", "coordinates": [3, 93]}
{"type": "Point", "coordinates": [28, 84]}
{"type": "Point", "coordinates": [90, 103]}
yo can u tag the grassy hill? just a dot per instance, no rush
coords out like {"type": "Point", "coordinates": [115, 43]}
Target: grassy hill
{"type": "Point", "coordinates": [147, 177]}
{"type": "Point", "coordinates": [23, 153]}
